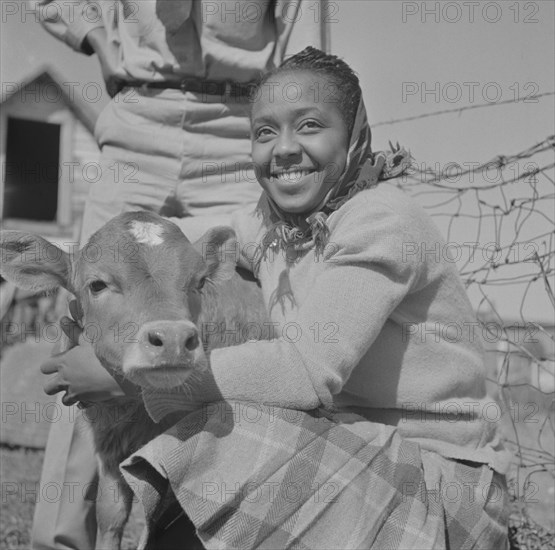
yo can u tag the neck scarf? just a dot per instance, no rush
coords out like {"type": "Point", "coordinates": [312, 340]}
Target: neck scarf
{"type": "Point", "coordinates": [363, 170]}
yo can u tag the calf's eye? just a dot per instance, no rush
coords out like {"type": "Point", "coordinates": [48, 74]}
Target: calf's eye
{"type": "Point", "coordinates": [97, 286]}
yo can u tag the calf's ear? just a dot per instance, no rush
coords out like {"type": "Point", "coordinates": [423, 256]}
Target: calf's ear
{"type": "Point", "coordinates": [33, 263]}
{"type": "Point", "coordinates": [220, 251]}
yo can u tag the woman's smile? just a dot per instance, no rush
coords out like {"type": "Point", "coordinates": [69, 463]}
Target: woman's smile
{"type": "Point", "coordinates": [300, 147]}
{"type": "Point", "coordinates": [291, 176]}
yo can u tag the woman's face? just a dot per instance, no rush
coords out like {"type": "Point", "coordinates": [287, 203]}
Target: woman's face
{"type": "Point", "coordinates": [299, 139]}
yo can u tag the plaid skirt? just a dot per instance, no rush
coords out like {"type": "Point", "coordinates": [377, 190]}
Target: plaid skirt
{"type": "Point", "coordinates": [255, 476]}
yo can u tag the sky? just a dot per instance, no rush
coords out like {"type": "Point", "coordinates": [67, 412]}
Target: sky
{"type": "Point", "coordinates": [412, 58]}
{"type": "Point", "coordinates": [403, 54]}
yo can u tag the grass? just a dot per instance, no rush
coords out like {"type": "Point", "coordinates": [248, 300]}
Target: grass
{"type": "Point", "coordinates": [20, 472]}
{"type": "Point", "coordinates": [527, 534]}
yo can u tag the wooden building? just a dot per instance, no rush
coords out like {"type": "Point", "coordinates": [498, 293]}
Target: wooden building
{"type": "Point", "coordinates": [48, 155]}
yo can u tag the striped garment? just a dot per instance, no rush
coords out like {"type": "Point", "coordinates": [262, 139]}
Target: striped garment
{"type": "Point", "coordinates": [255, 476]}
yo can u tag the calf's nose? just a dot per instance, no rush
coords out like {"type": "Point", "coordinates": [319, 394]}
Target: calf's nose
{"type": "Point", "coordinates": [168, 342]}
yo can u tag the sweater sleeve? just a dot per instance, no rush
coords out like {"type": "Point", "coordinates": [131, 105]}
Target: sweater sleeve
{"type": "Point", "coordinates": [363, 278]}
{"type": "Point", "coordinates": [69, 20]}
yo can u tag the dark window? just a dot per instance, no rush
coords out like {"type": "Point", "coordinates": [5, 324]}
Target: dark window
{"type": "Point", "coordinates": [31, 170]}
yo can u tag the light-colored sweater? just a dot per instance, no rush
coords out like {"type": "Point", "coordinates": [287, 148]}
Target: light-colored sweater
{"type": "Point", "coordinates": [381, 323]}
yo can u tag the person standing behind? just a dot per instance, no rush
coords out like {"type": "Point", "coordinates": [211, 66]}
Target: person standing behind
{"type": "Point", "coordinates": [175, 141]}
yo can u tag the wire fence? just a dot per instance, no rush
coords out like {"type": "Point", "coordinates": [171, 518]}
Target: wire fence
{"type": "Point", "coordinates": [499, 221]}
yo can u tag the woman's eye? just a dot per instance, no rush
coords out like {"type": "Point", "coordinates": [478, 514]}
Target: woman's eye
{"type": "Point", "coordinates": [310, 125]}
{"type": "Point", "coordinates": [263, 133]}
{"type": "Point", "coordinates": [97, 286]}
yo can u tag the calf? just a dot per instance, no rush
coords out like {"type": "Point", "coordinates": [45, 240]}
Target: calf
{"type": "Point", "coordinates": [157, 304]}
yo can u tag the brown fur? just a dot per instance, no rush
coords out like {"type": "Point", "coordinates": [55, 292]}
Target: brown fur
{"type": "Point", "coordinates": [146, 285]}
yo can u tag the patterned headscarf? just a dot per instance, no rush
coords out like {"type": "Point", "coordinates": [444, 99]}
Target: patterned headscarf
{"type": "Point", "coordinates": [363, 170]}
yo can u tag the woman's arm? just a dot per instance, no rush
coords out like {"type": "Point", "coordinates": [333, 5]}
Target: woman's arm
{"type": "Point", "coordinates": [360, 282]}
{"type": "Point", "coordinates": [314, 356]}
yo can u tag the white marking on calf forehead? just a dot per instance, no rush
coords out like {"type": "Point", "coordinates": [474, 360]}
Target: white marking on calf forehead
{"type": "Point", "coordinates": [147, 232]}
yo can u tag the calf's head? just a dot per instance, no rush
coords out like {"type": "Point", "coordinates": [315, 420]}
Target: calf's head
{"type": "Point", "coordinates": [139, 287]}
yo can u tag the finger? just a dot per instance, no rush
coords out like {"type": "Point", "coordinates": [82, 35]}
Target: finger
{"type": "Point", "coordinates": [50, 366]}
{"type": "Point", "coordinates": [66, 322]}
{"type": "Point", "coordinates": [71, 329]}
{"type": "Point", "coordinates": [53, 386]}
{"type": "Point", "coordinates": [68, 400]}
{"type": "Point", "coordinates": [75, 310]}
{"type": "Point", "coordinates": [111, 87]}
{"type": "Point", "coordinates": [57, 349]}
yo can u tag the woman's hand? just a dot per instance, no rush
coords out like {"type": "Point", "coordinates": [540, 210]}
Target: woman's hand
{"type": "Point", "coordinates": [78, 372]}
{"type": "Point", "coordinates": [97, 40]}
